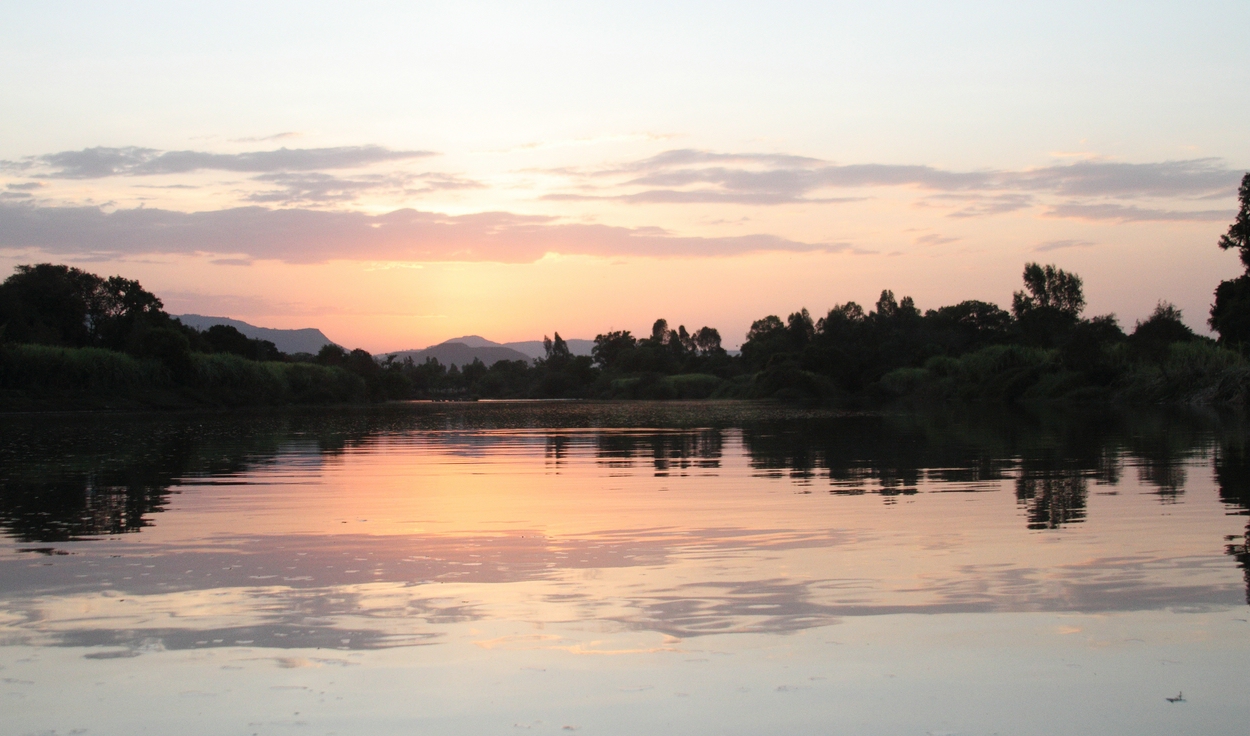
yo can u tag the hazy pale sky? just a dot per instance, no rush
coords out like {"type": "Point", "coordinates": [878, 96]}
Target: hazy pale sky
{"type": "Point", "coordinates": [401, 173]}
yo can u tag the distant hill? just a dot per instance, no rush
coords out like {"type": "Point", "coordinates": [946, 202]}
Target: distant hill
{"type": "Point", "coordinates": [307, 340]}
{"type": "Point", "coordinates": [462, 350]}
{"type": "Point", "coordinates": [460, 354]}
{"type": "Point", "coordinates": [534, 348]}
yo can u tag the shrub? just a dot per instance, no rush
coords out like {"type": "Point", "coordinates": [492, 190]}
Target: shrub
{"type": "Point", "coordinates": [45, 369]}
{"type": "Point", "coordinates": [230, 380]}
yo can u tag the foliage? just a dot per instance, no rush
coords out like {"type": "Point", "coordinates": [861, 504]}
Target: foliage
{"type": "Point", "coordinates": [1238, 235]}
{"type": "Point", "coordinates": [47, 369]}
{"type": "Point", "coordinates": [1230, 314]}
{"type": "Point", "coordinates": [228, 339]}
{"type": "Point", "coordinates": [1153, 338]}
{"type": "Point", "coordinates": [231, 380]}
{"type": "Point", "coordinates": [84, 336]}
{"type": "Point", "coordinates": [55, 376]}
{"type": "Point", "coordinates": [58, 305]}
{"type": "Point", "coordinates": [1048, 288]}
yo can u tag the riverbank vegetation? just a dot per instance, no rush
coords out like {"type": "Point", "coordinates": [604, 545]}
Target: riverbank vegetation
{"type": "Point", "coordinates": [72, 339]}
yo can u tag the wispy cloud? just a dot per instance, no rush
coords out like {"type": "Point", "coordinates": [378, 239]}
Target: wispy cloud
{"type": "Point", "coordinates": [934, 239]}
{"type": "Point", "coordinates": [702, 196]}
{"type": "Point", "coordinates": [983, 205]}
{"type": "Point", "coordinates": [436, 182]}
{"type": "Point", "coordinates": [1133, 213]}
{"type": "Point", "coordinates": [315, 187]}
{"type": "Point", "coordinates": [298, 235]}
{"type": "Point", "coordinates": [695, 176]}
{"type": "Point", "coordinates": [100, 162]}
{"type": "Point", "coordinates": [1052, 245]}
{"type": "Point", "coordinates": [1192, 178]}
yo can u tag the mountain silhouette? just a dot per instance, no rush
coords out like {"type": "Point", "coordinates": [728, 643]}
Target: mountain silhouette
{"type": "Point", "coordinates": [306, 340]}
{"type": "Point", "coordinates": [461, 351]}
{"type": "Point", "coordinates": [460, 354]}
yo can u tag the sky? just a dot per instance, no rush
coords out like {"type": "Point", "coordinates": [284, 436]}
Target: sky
{"type": "Point", "coordinates": [397, 174]}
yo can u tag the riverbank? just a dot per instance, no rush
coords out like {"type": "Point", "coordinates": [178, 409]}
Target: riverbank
{"type": "Point", "coordinates": [46, 378]}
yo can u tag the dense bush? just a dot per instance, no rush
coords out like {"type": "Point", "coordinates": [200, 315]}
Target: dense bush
{"type": "Point", "coordinates": [93, 377]}
{"type": "Point", "coordinates": [47, 369]}
{"type": "Point", "coordinates": [231, 380]}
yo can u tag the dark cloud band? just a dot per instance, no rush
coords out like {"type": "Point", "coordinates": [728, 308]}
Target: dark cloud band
{"type": "Point", "coordinates": [702, 177]}
{"type": "Point", "coordinates": [99, 162]}
{"type": "Point", "coordinates": [1133, 213]}
{"type": "Point", "coordinates": [313, 236]}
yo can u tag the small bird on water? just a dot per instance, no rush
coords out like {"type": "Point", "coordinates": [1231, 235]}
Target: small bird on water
{"type": "Point", "coordinates": [1180, 698]}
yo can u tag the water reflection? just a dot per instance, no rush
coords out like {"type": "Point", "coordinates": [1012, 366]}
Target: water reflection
{"type": "Point", "coordinates": [666, 450]}
{"type": "Point", "coordinates": [1232, 473]}
{"type": "Point", "coordinates": [71, 478]}
{"type": "Point", "coordinates": [1052, 497]}
{"type": "Point", "coordinates": [468, 542]}
{"type": "Point", "coordinates": [64, 479]}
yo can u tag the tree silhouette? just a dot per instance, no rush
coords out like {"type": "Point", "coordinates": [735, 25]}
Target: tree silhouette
{"type": "Point", "coordinates": [707, 340]}
{"type": "Point", "coordinates": [686, 340]}
{"type": "Point", "coordinates": [1154, 337]}
{"type": "Point", "coordinates": [659, 332]}
{"type": "Point", "coordinates": [612, 348]}
{"type": "Point", "coordinates": [766, 338]}
{"type": "Point", "coordinates": [1230, 314]}
{"type": "Point", "coordinates": [557, 349]}
{"type": "Point", "coordinates": [800, 328]}
{"type": "Point", "coordinates": [1238, 235]}
{"type": "Point", "coordinates": [61, 305]}
{"type": "Point", "coordinates": [1049, 288]}
{"type": "Point", "coordinates": [1050, 307]}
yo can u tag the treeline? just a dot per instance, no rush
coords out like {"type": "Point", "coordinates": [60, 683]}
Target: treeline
{"type": "Point", "coordinates": [75, 339]}
{"type": "Point", "coordinates": [72, 338]}
{"type": "Point", "coordinates": [1044, 348]}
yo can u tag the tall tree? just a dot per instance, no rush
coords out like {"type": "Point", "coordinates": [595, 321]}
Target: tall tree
{"type": "Point", "coordinates": [767, 337]}
{"type": "Point", "coordinates": [1050, 307]}
{"type": "Point", "coordinates": [611, 349]}
{"type": "Point", "coordinates": [659, 332]}
{"type": "Point", "coordinates": [1049, 288]}
{"type": "Point", "coordinates": [800, 328]}
{"type": "Point", "coordinates": [1154, 337]}
{"type": "Point", "coordinates": [557, 350]}
{"type": "Point", "coordinates": [707, 339]}
{"type": "Point", "coordinates": [1238, 235]}
{"type": "Point", "coordinates": [1230, 314]}
{"type": "Point", "coordinates": [61, 305]}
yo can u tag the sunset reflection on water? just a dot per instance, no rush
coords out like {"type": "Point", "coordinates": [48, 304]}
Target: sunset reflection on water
{"type": "Point", "coordinates": [619, 568]}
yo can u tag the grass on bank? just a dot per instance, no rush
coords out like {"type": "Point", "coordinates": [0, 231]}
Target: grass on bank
{"type": "Point", "coordinates": [41, 375]}
{"type": "Point", "coordinates": [1190, 373]}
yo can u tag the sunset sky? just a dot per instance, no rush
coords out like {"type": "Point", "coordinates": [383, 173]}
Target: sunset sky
{"type": "Point", "coordinates": [397, 174]}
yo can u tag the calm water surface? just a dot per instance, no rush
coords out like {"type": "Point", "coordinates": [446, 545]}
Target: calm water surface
{"type": "Point", "coordinates": [624, 569]}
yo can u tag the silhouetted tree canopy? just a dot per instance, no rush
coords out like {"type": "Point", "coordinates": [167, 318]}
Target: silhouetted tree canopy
{"type": "Point", "coordinates": [1238, 235]}
{"type": "Point", "coordinates": [707, 341]}
{"type": "Point", "coordinates": [556, 349]}
{"type": "Point", "coordinates": [1153, 337]}
{"type": "Point", "coordinates": [61, 305]}
{"type": "Point", "coordinates": [612, 348]}
{"type": "Point", "coordinates": [1049, 288]}
{"type": "Point", "coordinates": [1049, 307]}
{"type": "Point", "coordinates": [1230, 314]}
{"type": "Point", "coordinates": [971, 350]}
{"type": "Point", "coordinates": [228, 339]}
